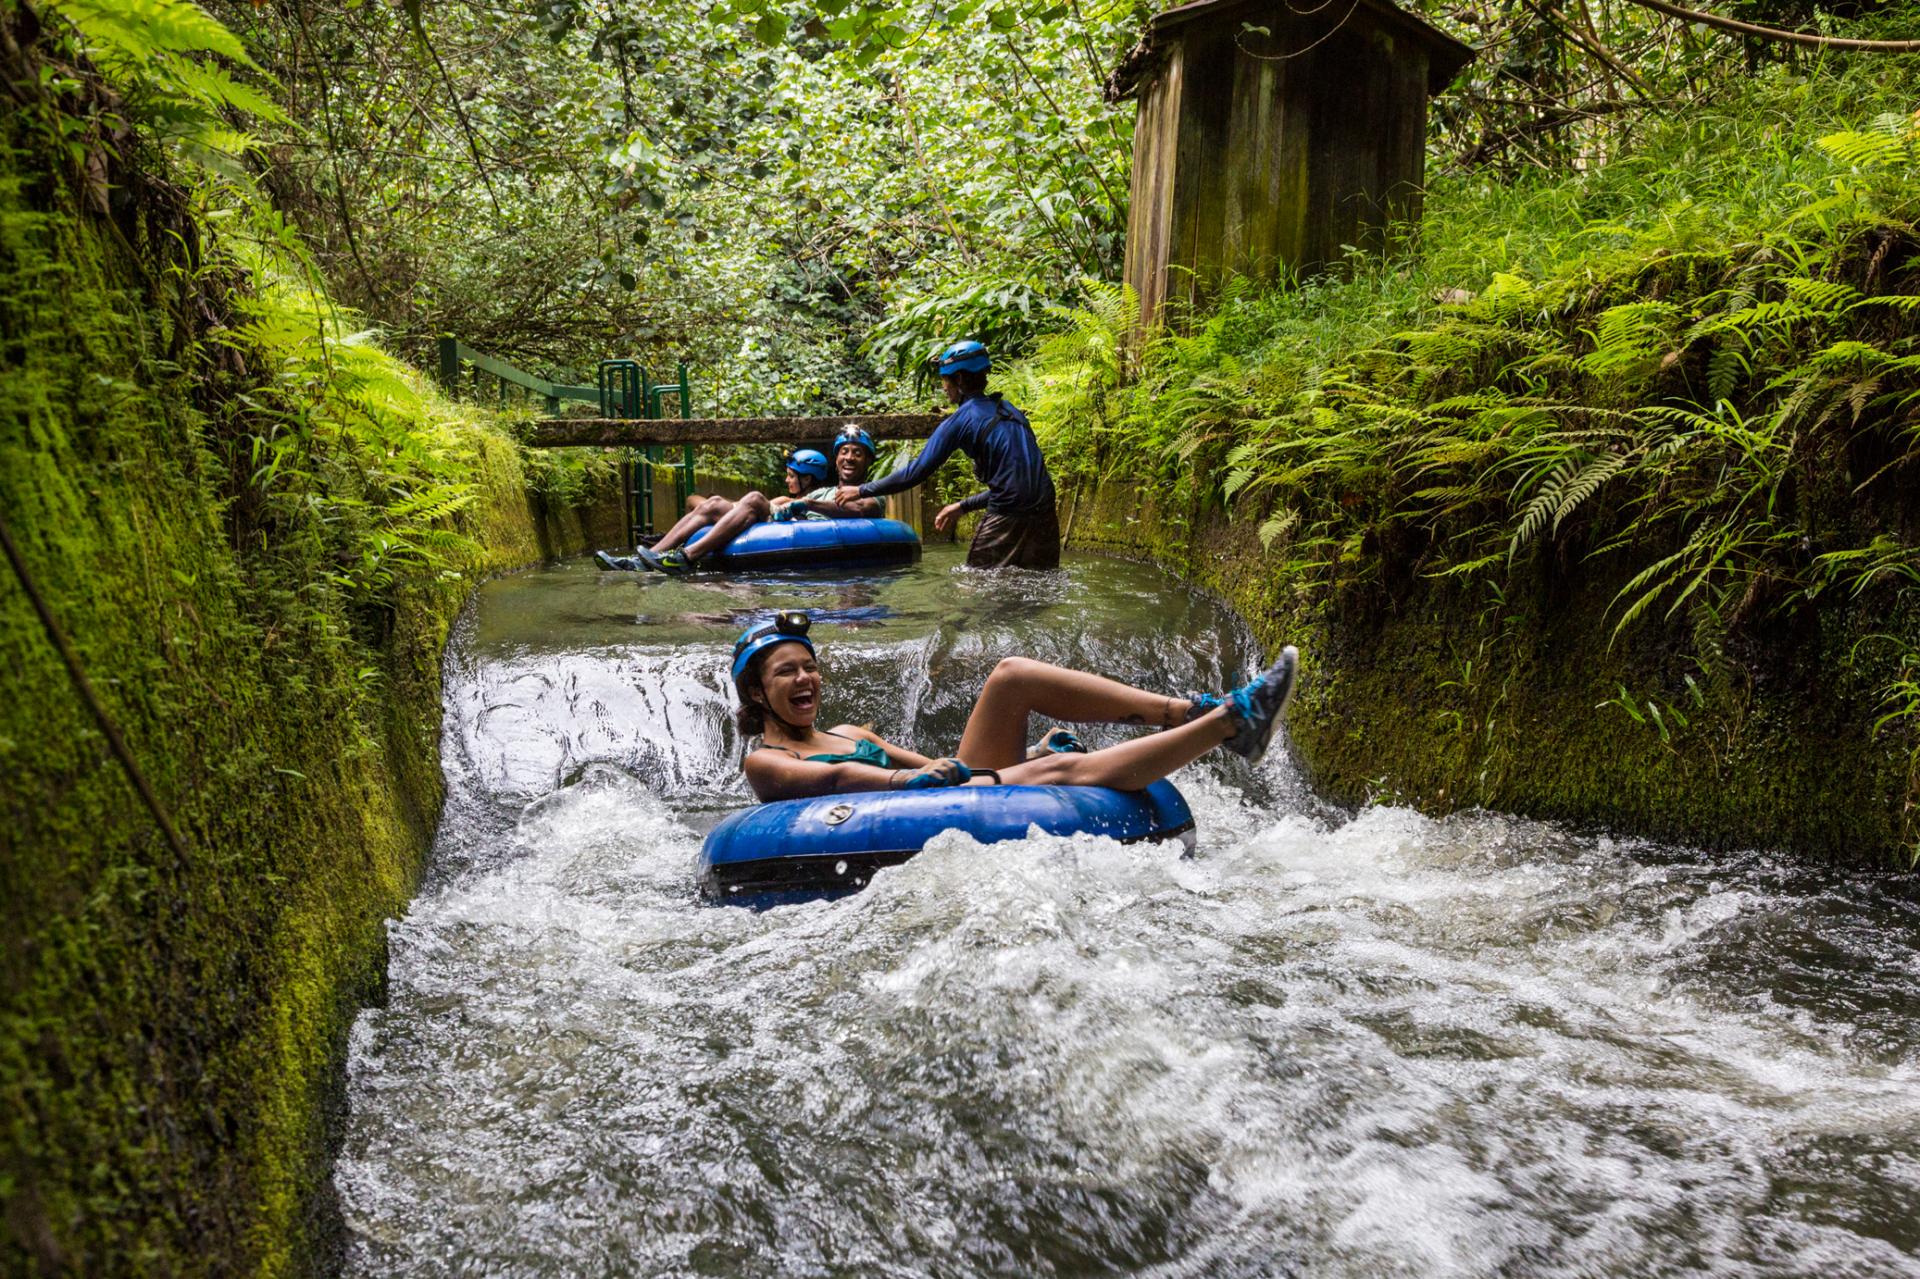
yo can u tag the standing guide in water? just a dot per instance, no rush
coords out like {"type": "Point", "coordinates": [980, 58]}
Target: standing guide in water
{"type": "Point", "coordinates": [1021, 528]}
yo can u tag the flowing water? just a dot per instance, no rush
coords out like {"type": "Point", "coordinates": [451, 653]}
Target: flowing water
{"type": "Point", "coordinates": [1328, 1044]}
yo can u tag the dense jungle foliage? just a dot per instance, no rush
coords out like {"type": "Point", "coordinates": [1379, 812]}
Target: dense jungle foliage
{"type": "Point", "coordinates": [252, 528]}
{"type": "Point", "coordinates": [806, 199]}
{"type": "Point", "coordinates": [1694, 368]}
{"type": "Point", "coordinates": [1660, 309]}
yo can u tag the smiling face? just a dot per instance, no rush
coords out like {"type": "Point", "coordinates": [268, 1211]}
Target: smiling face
{"type": "Point", "coordinates": [790, 685]}
{"type": "Point", "coordinates": [796, 483]}
{"type": "Point", "coordinates": [850, 462]}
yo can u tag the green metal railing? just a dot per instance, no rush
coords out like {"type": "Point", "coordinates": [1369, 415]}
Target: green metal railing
{"type": "Point", "coordinates": [456, 357]}
{"type": "Point", "coordinates": [627, 391]}
{"type": "Point", "coordinates": [622, 390]}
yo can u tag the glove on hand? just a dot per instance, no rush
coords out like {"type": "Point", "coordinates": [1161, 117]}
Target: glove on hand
{"type": "Point", "coordinates": [942, 772]}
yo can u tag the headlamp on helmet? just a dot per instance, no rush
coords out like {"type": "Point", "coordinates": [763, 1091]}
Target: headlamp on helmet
{"type": "Point", "coordinates": [854, 433]}
{"type": "Point", "coordinates": [788, 627]}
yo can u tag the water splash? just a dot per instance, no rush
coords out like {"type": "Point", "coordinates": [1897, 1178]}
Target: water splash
{"type": "Point", "coordinates": [1383, 1045]}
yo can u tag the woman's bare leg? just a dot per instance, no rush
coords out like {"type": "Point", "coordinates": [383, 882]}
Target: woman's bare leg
{"type": "Point", "coordinates": [996, 735]}
{"type": "Point", "coordinates": [1133, 765]}
{"type": "Point", "coordinates": [709, 511]}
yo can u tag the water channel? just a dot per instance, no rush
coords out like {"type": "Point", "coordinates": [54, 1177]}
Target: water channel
{"type": "Point", "coordinates": [1329, 1044]}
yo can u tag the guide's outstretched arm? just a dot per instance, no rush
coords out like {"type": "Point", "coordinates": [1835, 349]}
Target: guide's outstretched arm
{"type": "Point", "coordinates": [950, 513]}
{"type": "Point", "coordinates": [938, 448]}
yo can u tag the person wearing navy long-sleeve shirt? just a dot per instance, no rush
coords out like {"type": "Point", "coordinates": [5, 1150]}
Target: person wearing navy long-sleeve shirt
{"type": "Point", "coordinates": [1021, 526]}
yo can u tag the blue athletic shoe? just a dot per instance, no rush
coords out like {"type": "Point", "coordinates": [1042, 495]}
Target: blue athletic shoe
{"type": "Point", "coordinates": [608, 563]}
{"type": "Point", "coordinates": [647, 557]}
{"type": "Point", "coordinates": [1256, 708]}
{"type": "Point", "coordinates": [674, 562]}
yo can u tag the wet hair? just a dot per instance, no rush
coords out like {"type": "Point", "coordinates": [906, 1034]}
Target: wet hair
{"type": "Point", "coordinates": [751, 716]}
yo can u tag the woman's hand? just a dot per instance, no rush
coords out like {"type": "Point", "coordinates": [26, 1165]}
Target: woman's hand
{"type": "Point", "coordinates": [949, 513]}
{"type": "Point", "coordinates": [941, 772]}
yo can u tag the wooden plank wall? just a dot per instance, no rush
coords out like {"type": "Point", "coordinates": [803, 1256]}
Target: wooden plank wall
{"type": "Point", "coordinates": [1254, 153]}
{"type": "Point", "coordinates": [1149, 225]}
{"type": "Point", "coordinates": [580, 432]}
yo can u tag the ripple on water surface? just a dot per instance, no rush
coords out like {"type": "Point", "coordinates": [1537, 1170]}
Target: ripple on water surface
{"type": "Point", "coordinates": [1323, 1046]}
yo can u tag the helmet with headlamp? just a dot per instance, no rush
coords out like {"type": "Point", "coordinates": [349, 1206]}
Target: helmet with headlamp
{"type": "Point", "coordinates": [853, 433]}
{"type": "Point", "coordinates": [789, 627]}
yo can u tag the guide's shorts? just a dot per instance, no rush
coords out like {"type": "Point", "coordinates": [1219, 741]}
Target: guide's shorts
{"type": "Point", "coordinates": [1016, 541]}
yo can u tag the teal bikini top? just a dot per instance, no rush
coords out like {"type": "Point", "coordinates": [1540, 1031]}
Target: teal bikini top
{"type": "Point", "coordinates": [863, 752]}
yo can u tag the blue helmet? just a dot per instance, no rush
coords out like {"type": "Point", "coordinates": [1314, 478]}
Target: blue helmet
{"type": "Point", "coordinates": [965, 357]}
{"type": "Point", "coordinates": [809, 462]}
{"type": "Point", "coordinates": [786, 627]}
{"type": "Point", "coordinates": [854, 433]}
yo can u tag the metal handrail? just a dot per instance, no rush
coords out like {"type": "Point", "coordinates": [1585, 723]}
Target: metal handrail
{"type": "Point", "coordinates": [454, 354]}
{"type": "Point", "coordinates": [622, 390]}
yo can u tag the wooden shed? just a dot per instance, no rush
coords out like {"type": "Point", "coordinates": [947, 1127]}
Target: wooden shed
{"type": "Point", "coordinates": [1271, 133]}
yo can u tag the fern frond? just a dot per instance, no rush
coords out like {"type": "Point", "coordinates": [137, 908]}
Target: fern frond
{"type": "Point", "coordinates": [139, 29]}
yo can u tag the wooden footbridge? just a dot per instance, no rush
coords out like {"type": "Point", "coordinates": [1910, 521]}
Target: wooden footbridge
{"type": "Point", "coordinates": [631, 417]}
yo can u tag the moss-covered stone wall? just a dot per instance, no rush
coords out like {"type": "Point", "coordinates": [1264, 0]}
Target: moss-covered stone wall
{"type": "Point", "coordinates": [172, 1027]}
{"type": "Point", "coordinates": [1519, 697]}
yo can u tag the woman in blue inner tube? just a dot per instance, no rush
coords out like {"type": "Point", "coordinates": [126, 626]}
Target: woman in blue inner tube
{"type": "Point", "coordinates": [778, 679]}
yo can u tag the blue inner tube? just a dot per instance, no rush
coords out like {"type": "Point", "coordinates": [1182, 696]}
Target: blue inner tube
{"type": "Point", "coordinates": [806, 849]}
{"type": "Point", "coordinates": [810, 543]}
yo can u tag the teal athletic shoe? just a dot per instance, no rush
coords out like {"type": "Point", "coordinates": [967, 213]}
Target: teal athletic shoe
{"type": "Point", "coordinates": [674, 562]}
{"type": "Point", "coordinates": [1198, 704]}
{"type": "Point", "coordinates": [1201, 703]}
{"type": "Point", "coordinates": [647, 557]}
{"type": "Point", "coordinates": [1256, 708]}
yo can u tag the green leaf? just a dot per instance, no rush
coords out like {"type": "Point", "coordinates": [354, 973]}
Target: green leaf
{"type": "Point", "coordinates": [218, 89]}
{"type": "Point", "coordinates": [138, 29]}
{"type": "Point", "coordinates": [771, 29]}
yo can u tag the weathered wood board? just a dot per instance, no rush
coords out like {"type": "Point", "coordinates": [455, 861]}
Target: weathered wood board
{"type": "Point", "coordinates": [617, 432]}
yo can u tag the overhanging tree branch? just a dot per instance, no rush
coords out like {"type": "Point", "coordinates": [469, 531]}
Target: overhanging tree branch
{"type": "Point", "coordinates": [1775, 33]}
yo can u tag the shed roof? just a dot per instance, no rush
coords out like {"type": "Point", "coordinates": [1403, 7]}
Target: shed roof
{"type": "Point", "coordinates": [1447, 54]}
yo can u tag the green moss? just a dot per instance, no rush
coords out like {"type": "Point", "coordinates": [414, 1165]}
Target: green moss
{"type": "Point", "coordinates": [1517, 699]}
{"type": "Point", "coordinates": [172, 1030]}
